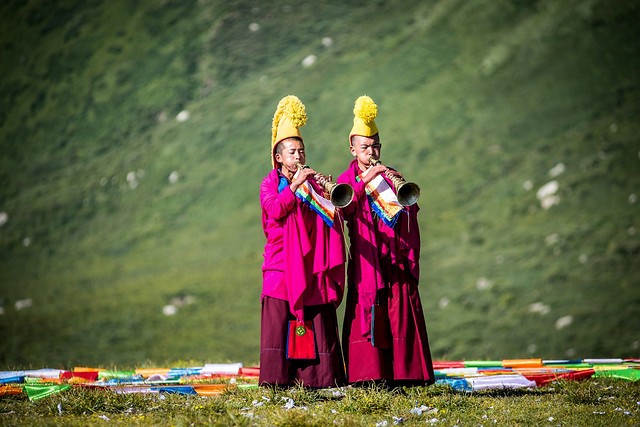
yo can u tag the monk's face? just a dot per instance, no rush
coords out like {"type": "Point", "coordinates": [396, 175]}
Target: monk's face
{"type": "Point", "coordinates": [291, 152]}
{"type": "Point", "coordinates": [365, 147]}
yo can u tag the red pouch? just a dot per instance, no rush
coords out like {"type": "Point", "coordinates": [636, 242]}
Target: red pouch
{"type": "Point", "coordinates": [301, 343]}
{"type": "Point", "coordinates": [380, 328]}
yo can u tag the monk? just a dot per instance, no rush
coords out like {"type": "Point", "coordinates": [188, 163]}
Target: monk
{"type": "Point", "coordinates": [303, 269]}
{"type": "Point", "coordinates": [383, 270]}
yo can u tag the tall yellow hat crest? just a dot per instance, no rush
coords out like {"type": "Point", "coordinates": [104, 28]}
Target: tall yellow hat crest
{"type": "Point", "coordinates": [288, 118]}
{"type": "Point", "coordinates": [364, 112]}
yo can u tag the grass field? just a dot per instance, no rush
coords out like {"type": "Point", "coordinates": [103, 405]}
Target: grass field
{"type": "Point", "coordinates": [589, 403]}
{"type": "Point", "coordinates": [134, 135]}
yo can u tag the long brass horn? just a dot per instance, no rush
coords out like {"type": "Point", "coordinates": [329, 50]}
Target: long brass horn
{"type": "Point", "coordinates": [339, 194]}
{"type": "Point", "coordinates": [408, 193]}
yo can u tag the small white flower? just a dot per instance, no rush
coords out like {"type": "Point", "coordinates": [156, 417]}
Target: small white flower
{"type": "Point", "coordinates": [444, 301]}
{"type": "Point", "coordinates": [419, 410]}
{"type": "Point", "coordinates": [173, 177]}
{"type": "Point", "coordinates": [632, 199]}
{"type": "Point", "coordinates": [528, 185]}
{"type": "Point", "coordinates": [290, 403]}
{"type": "Point", "coordinates": [327, 41]}
{"type": "Point", "coordinates": [4, 217]}
{"type": "Point", "coordinates": [254, 26]}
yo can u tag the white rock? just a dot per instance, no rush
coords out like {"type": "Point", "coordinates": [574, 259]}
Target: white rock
{"type": "Point", "coordinates": [549, 189]}
{"type": "Point", "coordinates": [556, 170]}
{"type": "Point", "coordinates": [539, 307]}
{"type": "Point", "coordinates": [23, 303]}
{"type": "Point", "coordinates": [182, 116]}
{"type": "Point", "coordinates": [483, 284]}
{"type": "Point", "coordinates": [169, 310]}
{"type": "Point", "coordinates": [549, 201]}
{"type": "Point", "coordinates": [564, 321]}
{"type": "Point", "coordinates": [552, 239]}
{"type": "Point", "coordinates": [309, 61]}
{"type": "Point", "coordinates": [444, 302]}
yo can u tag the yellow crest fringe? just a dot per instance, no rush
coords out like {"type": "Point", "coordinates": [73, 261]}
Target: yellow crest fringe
{"type": "Point", "coordinates": [289, 106]}
{"type": "Point", "coordinates": [365, 109]}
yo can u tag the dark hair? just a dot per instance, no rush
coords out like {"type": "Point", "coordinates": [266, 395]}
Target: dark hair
{"type": "Point", "coordinates": [280, 147]}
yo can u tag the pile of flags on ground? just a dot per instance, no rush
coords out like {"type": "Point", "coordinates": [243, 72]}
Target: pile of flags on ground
{"type": "Point", "coordinates": [213, 379]}
{"type": "Point", "coordinates": [516, 373]}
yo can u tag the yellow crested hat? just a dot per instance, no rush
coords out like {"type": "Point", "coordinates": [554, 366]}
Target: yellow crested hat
{"type": "Point", "coordinates": [289, 117]}
{"type": "Point", "coordinates": [364, 112]}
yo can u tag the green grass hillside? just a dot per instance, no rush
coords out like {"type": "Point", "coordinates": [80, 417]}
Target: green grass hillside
{"type": "Point", "coordinates": [134, 135]}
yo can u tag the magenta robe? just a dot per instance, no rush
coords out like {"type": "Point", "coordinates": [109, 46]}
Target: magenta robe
{"type": "Point", "coordinates": [384, 265]}
{"type": "Point", "coordinates": [303, 278]}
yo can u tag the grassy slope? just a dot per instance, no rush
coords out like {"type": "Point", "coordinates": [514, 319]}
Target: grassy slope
{"type": "Point", "coordinates": [475, 99]}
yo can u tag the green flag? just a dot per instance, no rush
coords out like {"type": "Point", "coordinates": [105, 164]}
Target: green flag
{"type": "Point", "coordinates": [36, 392]}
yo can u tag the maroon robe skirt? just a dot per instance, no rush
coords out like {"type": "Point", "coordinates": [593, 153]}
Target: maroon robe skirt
{"type": "Point", "coordinates": [408, 360]}
{"type": "Point", "coordinates": [326, 370]}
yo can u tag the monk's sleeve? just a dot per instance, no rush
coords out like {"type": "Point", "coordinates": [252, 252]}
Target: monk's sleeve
{"type": "Point", "coordinates": [276, 205]}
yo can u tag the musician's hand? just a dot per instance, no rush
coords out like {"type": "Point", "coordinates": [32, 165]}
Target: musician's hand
{"type": "Point", "coordinates": [394, 173]}
{"type": "Point", "coordinates": [373, 172]}
{"type": "Point", "coordinates": [303, 175]}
